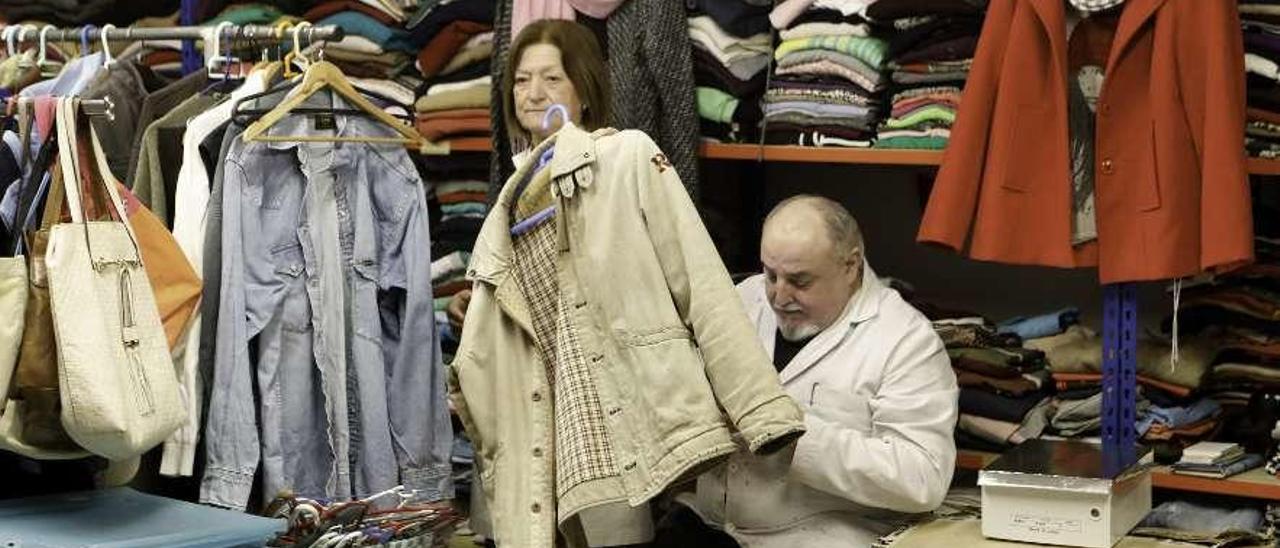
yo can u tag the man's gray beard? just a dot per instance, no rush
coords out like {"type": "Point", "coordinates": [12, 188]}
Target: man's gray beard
{"type": "Point", "coordinates": [799, 332]}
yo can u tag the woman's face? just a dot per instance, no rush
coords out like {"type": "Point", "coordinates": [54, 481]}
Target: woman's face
{"type": "Point", "coordinates": [539, 83]}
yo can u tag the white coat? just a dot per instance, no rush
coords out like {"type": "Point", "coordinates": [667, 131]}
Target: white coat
{"type": "Point", "coordinates": [881, 402]}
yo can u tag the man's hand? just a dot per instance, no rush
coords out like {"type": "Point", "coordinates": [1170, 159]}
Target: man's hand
{"type": "Point", "coordinates": [457, 309]}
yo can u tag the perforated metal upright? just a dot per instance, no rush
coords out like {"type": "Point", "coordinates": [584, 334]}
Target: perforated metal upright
{"type": "Point", "coordinates": [192, 60]}
{"type": "Point", "coordinates": [1119, 373]}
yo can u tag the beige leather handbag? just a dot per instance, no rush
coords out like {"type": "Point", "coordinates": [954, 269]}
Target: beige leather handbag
{"type": "Point", "coordinates": [118, 388]}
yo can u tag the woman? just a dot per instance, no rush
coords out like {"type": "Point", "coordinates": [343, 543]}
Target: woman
{"type": "Point", "coordinates": [556, 62]}
{"type": "Point", "coordinates": [607, 355]}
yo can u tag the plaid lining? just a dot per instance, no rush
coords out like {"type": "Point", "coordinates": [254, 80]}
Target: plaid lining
{"type": "Point", "coordinates": [583, 452]}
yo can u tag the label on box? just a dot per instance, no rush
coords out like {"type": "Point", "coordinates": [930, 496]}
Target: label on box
{"type": "Point", "coordinates": [1046, 525]}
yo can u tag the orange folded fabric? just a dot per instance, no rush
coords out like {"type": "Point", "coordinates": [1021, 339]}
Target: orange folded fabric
{"type": "Point", "coordinates": [1063, 378]}
{"type": "Point", "coordinates": [446, 44]}
{"type": "Point", "coordinates": [453, 123]}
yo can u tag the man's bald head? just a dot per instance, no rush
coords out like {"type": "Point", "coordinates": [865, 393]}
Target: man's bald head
{"type": "Point", "coordinates": [809, 213]}
{"type": "Point", "coordinates": [811, 252]}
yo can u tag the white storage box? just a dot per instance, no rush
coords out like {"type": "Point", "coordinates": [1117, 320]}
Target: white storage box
{"type": "Point", "coordinates": [1064, 493]}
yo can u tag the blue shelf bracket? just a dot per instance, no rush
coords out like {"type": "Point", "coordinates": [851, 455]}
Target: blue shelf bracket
{"type": "Point", "coordinates": [1119, 374]}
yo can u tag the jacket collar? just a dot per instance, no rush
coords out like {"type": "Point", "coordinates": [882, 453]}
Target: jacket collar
{"type": "Point", "coordinates": [1052, 14]}
{"type": "Point", "coordinates": [491, 256]}
{"type": "Point", "coordinates": [863, 306]}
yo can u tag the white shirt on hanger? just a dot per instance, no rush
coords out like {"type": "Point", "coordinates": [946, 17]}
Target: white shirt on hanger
{"type": "Point", "coordinates": [191, 202]}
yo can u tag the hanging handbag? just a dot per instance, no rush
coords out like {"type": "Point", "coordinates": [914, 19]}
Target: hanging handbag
{"type": "Point", "coordinates": [13, 300]}
{"type": "Point", "coordinates": [36, 420]}
{"type": "Point", "coordinates": [117, 385]}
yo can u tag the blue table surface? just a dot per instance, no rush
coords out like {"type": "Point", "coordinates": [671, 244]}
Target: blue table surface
{"type": "Point", "coordinates": [123, 517]}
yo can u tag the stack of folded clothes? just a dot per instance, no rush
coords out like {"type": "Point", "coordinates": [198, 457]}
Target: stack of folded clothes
{"type": "Point", "coordinates": [459, 184]}
{"type": "Point", "coordinates": [930, 50]}
{"type": "Point", "coordinates": [1240, 313]}
{"type": "Point", "coordinates": [1261, 22]}
{"type": "Point", "coordinates": [828, 73]}
{"type": "Point", "coordinates": [1005, 390]}
{"type": "Point", "coordinates": [731, 47]}
{"type": "Point", "coordinates": [455, 109]}
{"type": "Point", "coordinates": [448, 277]}
{"type": "Point", "coordinates": [375, 44]}
{"type": "Point", "coordinates": [456, 40]}
{"type": "Point", "coordinates": [1169, 412]}
{"type": "Point", "coordinates": [1216, 460]}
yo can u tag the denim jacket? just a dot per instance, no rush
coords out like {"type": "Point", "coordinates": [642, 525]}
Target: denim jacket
{"type": "Point", "coordinates": [326, 317]}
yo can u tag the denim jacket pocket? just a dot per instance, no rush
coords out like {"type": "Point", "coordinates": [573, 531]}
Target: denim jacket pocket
{"type": "Point", "coordinates": [290, 268]}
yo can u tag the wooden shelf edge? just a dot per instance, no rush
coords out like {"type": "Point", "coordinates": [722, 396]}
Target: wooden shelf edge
{"type": "Point", "coordinates": [967, 459]}
{"type": "Point", "coordinates": [1268, 488]}
{"type": "Point", "coordinates": [1264, 166]}
{"type": "Point", "coordinates": [471, 144]}
{"type": "Point", "coordinates": [825, 155]}
{"type": "Point", "coordinates": [1251, 484]}
{"type": "Point", "coordinates": [831, 155]}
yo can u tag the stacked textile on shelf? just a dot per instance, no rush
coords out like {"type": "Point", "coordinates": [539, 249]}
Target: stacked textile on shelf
{"type": "Point", "coordinates": [930, 50]}
{"type": "Point", "coordinates": [828, 73]}
{"type": "Point", "coordinates": [456, 44]}
{"type": "Point", "coordinates": [1005, 390]}
{"type": "Point", "coordinates": [1239, 312]}
{"type": "Point", "coordinates": [458, 183]}
{"type": "Point", "coordinates": [1261, 26]}
{"type": "Point", "coordinates": [1169, 409]}
{"type": "Point", "coordinates": [730, 70]}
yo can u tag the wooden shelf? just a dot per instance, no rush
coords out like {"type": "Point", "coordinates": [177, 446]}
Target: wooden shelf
{"type": "Point", "coordinates": [824, 155]}
{"type": "Point", "coordinates": [471, 144]}
{"type": "Point", "coordinates": [1263, 166]}
{"type": "Point", "coordinates": [828, 155]}
{"type": "Point", "coordinates": [1256, 483]}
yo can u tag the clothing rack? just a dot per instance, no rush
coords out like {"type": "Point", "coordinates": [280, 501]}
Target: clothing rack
{"type": "Point", "coordinates": [31, 33]}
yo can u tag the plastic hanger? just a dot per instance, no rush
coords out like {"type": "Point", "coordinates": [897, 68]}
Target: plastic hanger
{"type": "Point", "coordinates": [325, 75]}
{"type": "Point", "coordinates": [24, 62]}
{"type": "Point", "coordinates": [10, 47]}
{"type": "Point", "coordinates": [215, 40]}
{"type": "Point", "coordinates": [42, 62]}
{"type": "Point", "coordinates": [107, 59]}
{"type": "Point", "coordinates": [85, 48]}
{"type": "Point", "coordinates": [271, 68]}
{"type": "Point", "coordinates": [296, 54]}
{"type": "Point", "coordinates": [556, 108]}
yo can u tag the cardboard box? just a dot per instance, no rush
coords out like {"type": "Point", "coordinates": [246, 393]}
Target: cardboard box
{"type": "Point", "coordinates": [1066, 493]}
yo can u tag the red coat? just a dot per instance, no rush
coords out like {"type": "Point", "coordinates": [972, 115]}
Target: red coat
{"type": "Point", "coordinates": [1172, 191]}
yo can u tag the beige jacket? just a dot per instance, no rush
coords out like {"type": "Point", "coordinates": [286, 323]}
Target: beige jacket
{"type": "Point", "coordinates": [656, 314]}
{"type": "Point", "coordinates": [880, 403]}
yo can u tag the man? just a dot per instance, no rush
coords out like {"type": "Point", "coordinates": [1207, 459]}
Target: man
{"type": "Point", "coordinates": [875, 382]}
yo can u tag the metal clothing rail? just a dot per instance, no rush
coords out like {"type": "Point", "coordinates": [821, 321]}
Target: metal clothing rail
{"type": "Point", "coordinates": [31, 33]}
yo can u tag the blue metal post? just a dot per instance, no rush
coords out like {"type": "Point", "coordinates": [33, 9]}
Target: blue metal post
{"type": "Point", "coordinates": [192, 60]}
{"type": "Point", "coordinates": [1119, 374]}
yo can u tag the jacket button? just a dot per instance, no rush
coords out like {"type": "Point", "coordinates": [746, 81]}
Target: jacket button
{"type": "Point", "coordinates": [630, 466]}
{"type": "Point", "coordinates": [580, 304]}
{"type": "Point", "coordinates": [537, 452]}
{"type": "Point", "coordinates": [615, 410]}
{"type": "Point", "coordinates": [535, 508]}
{"type": "Point", "coordinates": [1104, 109]}
{"type": "Point", "coordinates": [537, 396]}
{"type": "Point", "coordinates": [596, 358]}
{"type": "Point", "coordinates": [1108, 167]}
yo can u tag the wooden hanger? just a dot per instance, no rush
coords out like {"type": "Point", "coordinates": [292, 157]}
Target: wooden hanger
{"type": "Point", "coordinates": [325, 75]}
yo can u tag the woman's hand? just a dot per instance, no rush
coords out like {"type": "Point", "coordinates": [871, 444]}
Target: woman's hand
{"type": "Point", "coordinates": [457, 309]}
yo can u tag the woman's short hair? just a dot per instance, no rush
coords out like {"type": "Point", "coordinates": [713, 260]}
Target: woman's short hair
{"type": "Point", "coordinates": [583, 63]}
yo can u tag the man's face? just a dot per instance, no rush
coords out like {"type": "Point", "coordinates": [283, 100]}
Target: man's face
{"type": "Point", "coordinates": [808, 283]}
